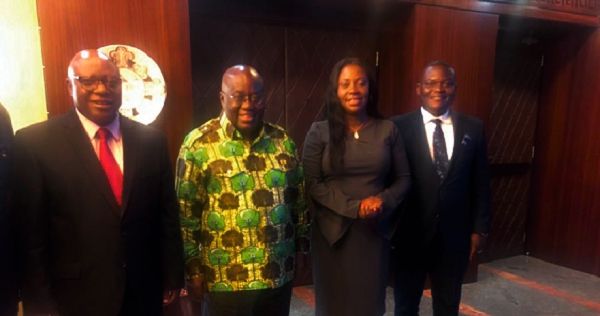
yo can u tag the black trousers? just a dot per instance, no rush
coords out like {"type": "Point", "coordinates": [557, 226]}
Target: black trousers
{"type": "Point", "coordinates": [445, 268]}
{"type": "Point", "coordinates": [271, 302]}
{"type": "Point", "coordinates": [9, 271]}
{"type": "Point", "coordinates": [136, 304]}
{"type": "Point", "coordinates": [8, 304]}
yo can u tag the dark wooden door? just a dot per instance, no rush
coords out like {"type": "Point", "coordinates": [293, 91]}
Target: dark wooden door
{"type": "Point", "coordinates": [511, 129]}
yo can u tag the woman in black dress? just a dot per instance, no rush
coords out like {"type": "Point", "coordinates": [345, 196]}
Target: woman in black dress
{"type": "Point", "coordinates": [357, 175]}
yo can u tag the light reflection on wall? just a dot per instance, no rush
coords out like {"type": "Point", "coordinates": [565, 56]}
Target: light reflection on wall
{"type": "Point", "coordinates": [21, 74]}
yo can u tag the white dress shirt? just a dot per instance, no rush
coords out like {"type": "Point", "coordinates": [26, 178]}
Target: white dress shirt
{"type": "Point", "coordinates": [115, 143]}
{"type": "Point", "coordinates": [447, 128]}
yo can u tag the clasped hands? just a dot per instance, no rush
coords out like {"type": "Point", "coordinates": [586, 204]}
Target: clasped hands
{"type": "Point", "coordinates": [370, 207]}
{"type": "Point", "coordinates": [169, 296]}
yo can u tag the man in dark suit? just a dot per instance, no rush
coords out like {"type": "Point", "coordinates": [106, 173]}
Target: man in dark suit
{"type": "Point", "coordinates": [99, 222]}
{"type": "Point", "coordinates": [448, 211]}
{"type": "Point", "coordinates": [8, 285]}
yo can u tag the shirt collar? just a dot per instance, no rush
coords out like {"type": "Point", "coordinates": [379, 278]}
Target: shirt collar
{"type": "Point", "coordinates": [232, 133]}
{"type": "Point", "coordinates": [92, 128]}
{"type": "Point", "coordinates": [428, 117]}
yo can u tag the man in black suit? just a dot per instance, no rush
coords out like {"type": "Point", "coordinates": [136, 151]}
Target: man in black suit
{"type": "Point", "coordinates": [8, 285]}
{"type": "Point", "coordinates": [99, 222]}
{"type": "Point", "coordinates": [448, 211]}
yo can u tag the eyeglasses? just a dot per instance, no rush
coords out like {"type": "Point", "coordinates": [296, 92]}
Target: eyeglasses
{"type": "Point", "coordinates": [445, 84]}
{"type": "Point", "coordinates": [239, 99]}
{"type": "Point", "coordinates": [91, 83]}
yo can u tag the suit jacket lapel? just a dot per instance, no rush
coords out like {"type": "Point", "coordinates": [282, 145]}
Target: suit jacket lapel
{"type": "Point", "coordinates": [82, 148]}
{"type": "Point", "coordinates": [420, 137]}
{"type": "Point", "coordinates": [131, 155]}
{"type": "Point", "coordinates": [458, 128]}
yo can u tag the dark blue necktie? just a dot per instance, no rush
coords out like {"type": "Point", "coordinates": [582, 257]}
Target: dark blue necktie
{"type": "Point", "coordinates": [440, 155]}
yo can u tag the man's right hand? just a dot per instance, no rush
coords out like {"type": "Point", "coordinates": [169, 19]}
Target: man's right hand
{"type": "Point", "coordinates": [370, 207]}
{"type": "Point", "coordinates": [196, 287]}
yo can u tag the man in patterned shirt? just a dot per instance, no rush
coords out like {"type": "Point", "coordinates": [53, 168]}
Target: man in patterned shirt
{"type": "Point", "coordinates": [240, 188]}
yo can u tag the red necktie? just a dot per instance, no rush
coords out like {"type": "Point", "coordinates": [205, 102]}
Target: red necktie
{"type": "Point", "coordinates": [109, 164]}
{"type": "Point", "coordinates": [440, 154]}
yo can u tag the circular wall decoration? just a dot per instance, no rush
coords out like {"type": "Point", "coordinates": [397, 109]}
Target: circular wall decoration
{"type": "Point", "coordinates": [144, 89]}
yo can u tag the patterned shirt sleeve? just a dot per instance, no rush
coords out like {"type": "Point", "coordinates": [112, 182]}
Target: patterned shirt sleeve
{"type": "Point", "coordinates": [299, 207]}
{"type": "Point", "coordinates": [192, 198]}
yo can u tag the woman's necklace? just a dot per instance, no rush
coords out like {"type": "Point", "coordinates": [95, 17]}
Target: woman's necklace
{"type": "Point", "coordinates": [355, 131]}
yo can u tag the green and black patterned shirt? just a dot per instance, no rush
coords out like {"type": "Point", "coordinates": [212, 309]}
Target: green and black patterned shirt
{"type": "Point", "coordinates": [242, 206]}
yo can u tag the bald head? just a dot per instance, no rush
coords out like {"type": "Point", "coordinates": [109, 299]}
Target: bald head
{"type": "Point", "coordinates": [241, 71]}
{"type": "Point", "coordinates": [242, 99]}
{"type": "Point", "coordinates": [94, 84]}
{"type": "Point", "coordinates": [88, 56]}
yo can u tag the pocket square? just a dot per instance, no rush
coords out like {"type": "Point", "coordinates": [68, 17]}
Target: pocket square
{"type": "Point", "coordinates": [465, 140]}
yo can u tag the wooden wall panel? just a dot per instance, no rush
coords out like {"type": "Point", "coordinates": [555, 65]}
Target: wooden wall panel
{"type": "Point", "coordinates": [311, 54]}
{"type": "Point", "coordinates": [396, 83]}
{"type": "Point", "coordinates": [158, 27]}
{"type": "Point", "coordinates": [577, 12]}
{"type": "Point", "coordinates": [466, 40]}
{"type": "Point", "coordinates": [565, 225]}
{"type": "Point", "coordinates": [218, 44]}
{"type": "Point", "coordinates": [295, 62]}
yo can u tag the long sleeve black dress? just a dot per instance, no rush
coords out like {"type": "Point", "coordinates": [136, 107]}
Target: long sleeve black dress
{"type": "Point", "coordinates": [350, 255]}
